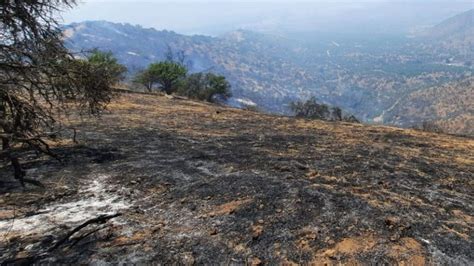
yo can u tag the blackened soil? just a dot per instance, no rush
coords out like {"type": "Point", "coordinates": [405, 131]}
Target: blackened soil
{"type": "Point", "coordinates": [208, 184]}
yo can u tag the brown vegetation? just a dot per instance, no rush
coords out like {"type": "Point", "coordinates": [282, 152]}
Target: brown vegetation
{"type": "Point", "coordinates": [200, 183]}
{"type": "Point", "coordinates": [448, 108]}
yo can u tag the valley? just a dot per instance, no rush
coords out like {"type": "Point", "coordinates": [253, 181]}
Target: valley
{"type": "Point", "coordinates": [293, 133]}
{"type": "Point", "coordinates": [365, 75]}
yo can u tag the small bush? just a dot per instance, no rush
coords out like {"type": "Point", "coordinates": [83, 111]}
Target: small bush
{"type": "Point", "coordinates": [429, 126]}
{"type": "Point", "coordinates": [311, 109]}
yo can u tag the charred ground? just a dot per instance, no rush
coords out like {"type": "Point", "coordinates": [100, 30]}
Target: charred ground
{"type": "Point", "coordinates": [200, 183]}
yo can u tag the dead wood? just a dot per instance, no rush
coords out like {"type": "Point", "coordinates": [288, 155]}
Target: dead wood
{"type": "Point", "coordinates": [98, 220]}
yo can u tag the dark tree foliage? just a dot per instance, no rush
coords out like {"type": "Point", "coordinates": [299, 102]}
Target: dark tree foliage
{"type": "Point", "coordinates": [337, 114]}
{"type": "Point", "coordinates": [108, 64]}
{"type": "Point", "coordinates": [144, 78]}
{"type": "Point", "coordinates": [311, 109]}
{"type": "Point", "coordinates": [39, 78]}
{"type": "Point", "coordinates": [350, 119]}
{"type": "Point", "coordinates": [165, 74]}
{"type": "Point", "coordinates": [429, 126]}
{"type": "Point", "coordinates": [205, 87]}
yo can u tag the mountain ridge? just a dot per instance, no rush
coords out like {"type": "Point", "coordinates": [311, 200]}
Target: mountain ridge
{"type": "Point", "coordinates": [364, 78]}
{"type": "Point", "coordinates": [458, 23]}
{"type": "Point", "coordinates": [455, 33]}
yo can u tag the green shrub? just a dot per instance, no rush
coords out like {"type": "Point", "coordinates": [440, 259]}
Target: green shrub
{"type": "Point", "coordinates": [108, 64]}
{"type": "Point", "coordinates": [205, 86]}
{"type": "Point", "coordinates": [166, 74]}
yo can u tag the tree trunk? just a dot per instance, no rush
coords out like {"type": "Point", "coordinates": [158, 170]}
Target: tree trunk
{"type": "Point", "coordinates": [149, 87]}
{"type": "Point", "coordinates": [19, 173]}
{"type": "Point", "coordinates": [167, 87]}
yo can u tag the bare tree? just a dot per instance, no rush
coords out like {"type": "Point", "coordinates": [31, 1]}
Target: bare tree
{"type": "Point", "coordinates": [38, 77]}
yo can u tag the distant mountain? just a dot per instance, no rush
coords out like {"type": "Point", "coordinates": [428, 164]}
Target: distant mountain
{"type": "Point", "coordinates": [260, 67]}
{"type": "Point", "coordinates": [455, 33]}
{"type": "Point", "coordinates": [458, 26]}
{"type": "Point", "coordinates": [135, 46]}
{"type": "Point", "coordinates": [366, 77]}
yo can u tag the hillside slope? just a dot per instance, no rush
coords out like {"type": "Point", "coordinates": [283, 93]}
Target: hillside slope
{"type": "Point", "coordinates": [455, 33]}
{"type": "Point", "coordinates": [362, 76]}
{"type": "Point", "coordinates": [450, 106]}
{"type": "Point", "coordinates": [200, 183]}
{"type": "Point", "coordinates": [259, 66]}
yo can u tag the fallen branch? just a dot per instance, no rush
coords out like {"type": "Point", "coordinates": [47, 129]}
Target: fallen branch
{"type": "Point", "coordinates": [99, 220]}
{"type": "Point", "coordinates": [87, 234]}
{"type": "Point", "coordinates": [33, 182]}
{"type": "Point", "coordinates": [74, 136]}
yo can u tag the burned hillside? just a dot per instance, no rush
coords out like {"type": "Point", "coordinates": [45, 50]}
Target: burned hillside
{"type": "Point", "coordinates": [198, 183]}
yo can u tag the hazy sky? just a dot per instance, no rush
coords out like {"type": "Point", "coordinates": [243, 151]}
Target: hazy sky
{"type": "Point", "coordinates": [216, 17]}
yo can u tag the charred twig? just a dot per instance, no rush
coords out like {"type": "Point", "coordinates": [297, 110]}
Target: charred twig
{"type": "Point", "coordinates": [76, 241]}
{"type": "Point", "coordinates": [74, 139]}
{"type": "Point", "coordinates": [33, 182]}
{"type": "Point", "coordinates": [21, 261]}
{"type": "Point", "coordinates": [99, 220]}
